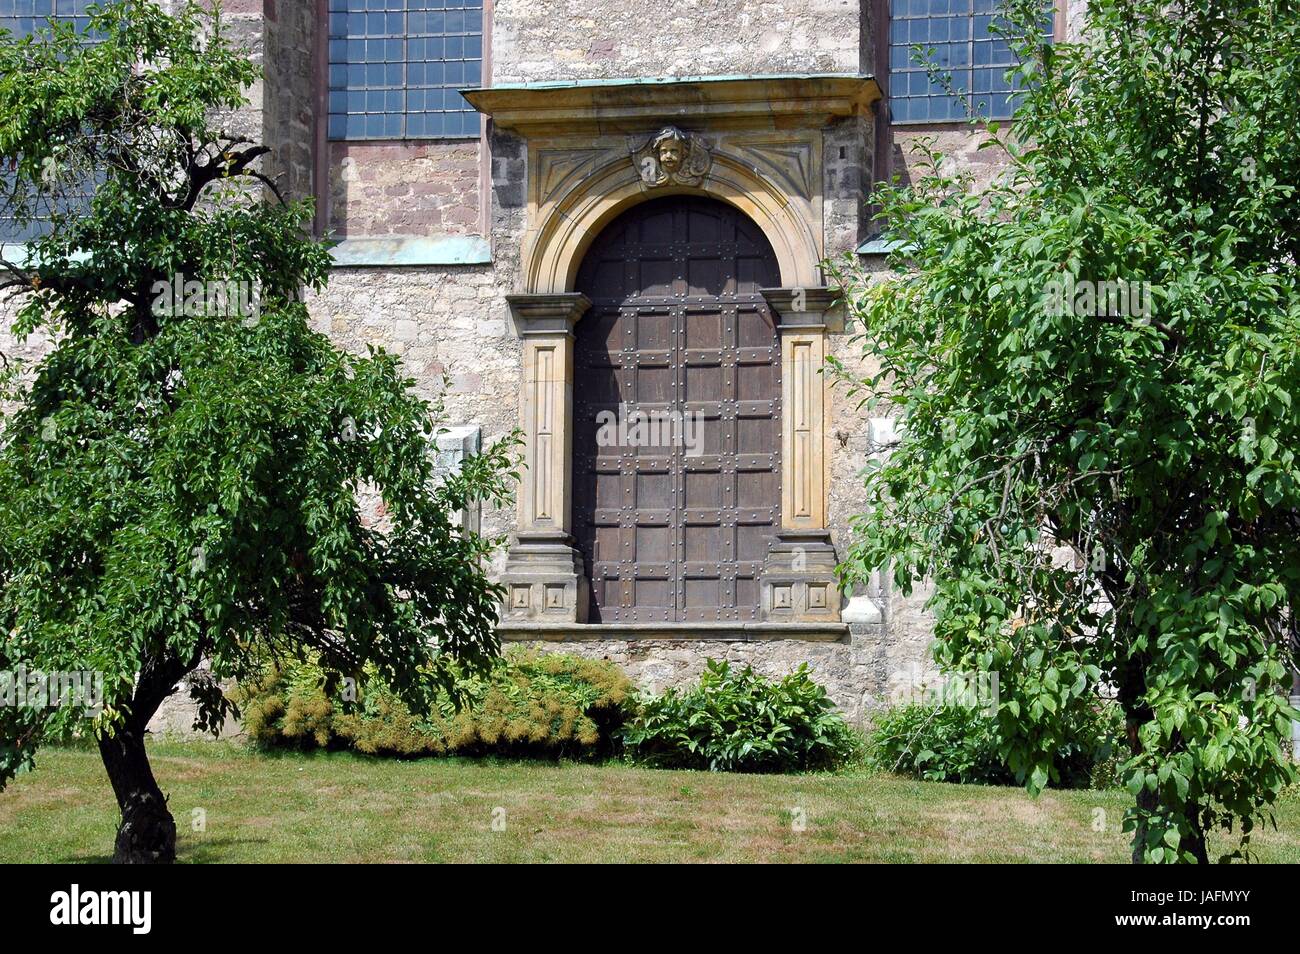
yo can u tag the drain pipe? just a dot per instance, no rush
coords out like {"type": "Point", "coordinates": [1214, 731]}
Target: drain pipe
{"type": "Point", "coordinates": [1293, 647]}
{"type": "Point", "coordinates": [1295, 723]}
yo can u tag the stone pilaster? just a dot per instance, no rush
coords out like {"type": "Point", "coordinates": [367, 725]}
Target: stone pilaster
{"type": "Point", "coordinates": [798, 577]}
{"type": "Point", "coordinates": [544, 575]}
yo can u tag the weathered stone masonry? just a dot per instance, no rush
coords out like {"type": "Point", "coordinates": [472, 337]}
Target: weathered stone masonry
{"type": "Point", "coordinates": [454, 250]}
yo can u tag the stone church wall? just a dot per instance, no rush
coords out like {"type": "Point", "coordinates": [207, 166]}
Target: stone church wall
{"type": "Point", "coordinates": [453, 320]}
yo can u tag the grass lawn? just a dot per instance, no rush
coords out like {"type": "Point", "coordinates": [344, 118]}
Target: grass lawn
{"type": "Point", "coordinates": [345, 808]}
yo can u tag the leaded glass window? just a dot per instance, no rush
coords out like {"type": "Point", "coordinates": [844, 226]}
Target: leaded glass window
{"type": "Point", "coordinates": [964, 46]}
{"type": "Point", "coordinates": [22, 18]}
{"type": "Point", "coordinates": [395, 68]}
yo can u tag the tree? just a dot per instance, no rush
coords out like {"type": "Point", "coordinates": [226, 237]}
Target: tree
{"type": "Point", "coordinates": [179, 482]}
{"type": "Point", "coordinates": [1098, 355]}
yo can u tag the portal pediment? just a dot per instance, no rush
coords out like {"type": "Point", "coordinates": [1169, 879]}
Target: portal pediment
{"type": "Point", "coordinates": [597, 148]}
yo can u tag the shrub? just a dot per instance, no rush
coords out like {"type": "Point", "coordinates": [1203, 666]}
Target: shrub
{"type": "Point", "coordinates": [739, 721]}
{"type": "Point", "coordinates": [938, 743]}
{"type": "Point", "coordinates": [529, 703]}
{"type": "Point", "coordinates": [952, 743]}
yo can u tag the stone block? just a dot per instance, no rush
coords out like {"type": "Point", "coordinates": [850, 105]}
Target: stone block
{"type": "Point", "coordinates": [797, 583]}
{"type": "Point", "coordinates": [544, 580]}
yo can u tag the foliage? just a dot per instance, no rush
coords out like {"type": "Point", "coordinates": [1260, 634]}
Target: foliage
{"type": "Point", "coordinates": [955, 743]}
{"type": "Point", "coordinates": [739, 721]}
{"type": "Point", "coordinates": [527, 703]}
{"type": "Point", "coordinates": [180, 483]}
{"type": "Point", "coordinates": [1158, 445]}
{"type": "Point", "coordinates": [938, 743]}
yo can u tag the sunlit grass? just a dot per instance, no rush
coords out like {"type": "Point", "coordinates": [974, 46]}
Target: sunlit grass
{"type": "Point", "coordinates": [344, 808]}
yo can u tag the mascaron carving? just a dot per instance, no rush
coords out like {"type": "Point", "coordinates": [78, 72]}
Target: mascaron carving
{"type": "Point", "coordinates": [672, 156]}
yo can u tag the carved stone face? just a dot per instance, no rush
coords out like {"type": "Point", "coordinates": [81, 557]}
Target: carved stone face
{"type": "Point", "coordinates": [672, 152]}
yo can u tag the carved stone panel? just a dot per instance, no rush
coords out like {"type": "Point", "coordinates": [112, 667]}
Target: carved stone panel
{"type": "Point", "coordinates": [454, 444]}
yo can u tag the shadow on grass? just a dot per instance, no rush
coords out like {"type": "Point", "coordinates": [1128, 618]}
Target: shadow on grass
{"type": "Point", "coordinates": [209, 851]}
{"type": "Point", "coordinates": [343, 754]}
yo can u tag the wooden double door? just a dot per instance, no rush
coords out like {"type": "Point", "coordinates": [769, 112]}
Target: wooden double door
{"type": "Point", "coordinates": [677, 414]}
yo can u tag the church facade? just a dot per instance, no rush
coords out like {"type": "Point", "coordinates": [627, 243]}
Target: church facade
{"type": "Point", "coordinates": [605, 223]}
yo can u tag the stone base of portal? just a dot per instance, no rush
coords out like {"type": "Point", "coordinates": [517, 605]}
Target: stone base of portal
{"type": "Point", "coordinates": [544, 579]}
{"type": "Point", "coordinates": [797, 583]}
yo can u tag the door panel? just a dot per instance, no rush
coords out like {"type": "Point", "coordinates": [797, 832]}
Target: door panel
{"type": "Point", "coordinates": [677, 332]}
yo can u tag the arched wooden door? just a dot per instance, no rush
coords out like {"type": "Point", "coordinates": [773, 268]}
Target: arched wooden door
{"type": "Point", "coordinates": [673, 524]}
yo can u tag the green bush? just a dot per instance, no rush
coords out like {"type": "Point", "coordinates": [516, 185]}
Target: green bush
{"type": "Point", "coordinates": [738, 721]}
{"type": "Point", "coordinates": [528, 704]}
{"type": "Point", "coordinates": [954, 743]}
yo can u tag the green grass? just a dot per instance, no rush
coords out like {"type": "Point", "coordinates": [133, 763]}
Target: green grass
{"type": "Point", "coordinates": [346, 808]}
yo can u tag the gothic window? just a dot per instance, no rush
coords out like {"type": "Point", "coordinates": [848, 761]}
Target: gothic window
{"type": "Point", "coordinates": [23, 18]}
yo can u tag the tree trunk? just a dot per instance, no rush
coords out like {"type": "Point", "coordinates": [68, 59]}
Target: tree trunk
{"type": "Point", "coordinates": [1132, 687]}
{"type": "Point", "coordinates": [1150, 801]}
{"type": "Point", "coordinates": [147, 832]}
{"type": "Point", "coordinates": [1196, 845]}
{"type": "Point", "coordinates": [1195, 842]}
{"type": "Point", "coordinates": [1131, 680]}
{"type": "Point", "coordinates": [1146, 800]}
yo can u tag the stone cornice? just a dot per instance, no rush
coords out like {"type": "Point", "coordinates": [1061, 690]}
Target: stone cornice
{"type": "Point", "coordinates": [547, 314]}
{"type": "Point", "coordinates": [630, 106]}
{"type": "Point", "coordinates": [528, 631]}
{"type": "Point", "coordinates": [805, 308]}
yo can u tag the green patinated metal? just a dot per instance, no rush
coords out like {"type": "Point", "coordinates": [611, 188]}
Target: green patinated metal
{"type": "Point", "coordinates": [878, 247]}
{"type": "Point", "coordinates": [412, 250]}
{"type": "Point", "coordinates": [666, 80]}
{"type": "Point", "coordinates": [20, 255]}
{"type": "Point", "coordinates": [353, 253]}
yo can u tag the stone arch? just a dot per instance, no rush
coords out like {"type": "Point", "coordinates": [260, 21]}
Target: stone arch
{"type": "Point", "coordinates": [576, 190]}
{"type": "Point", "coordinates": [555, 249]}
